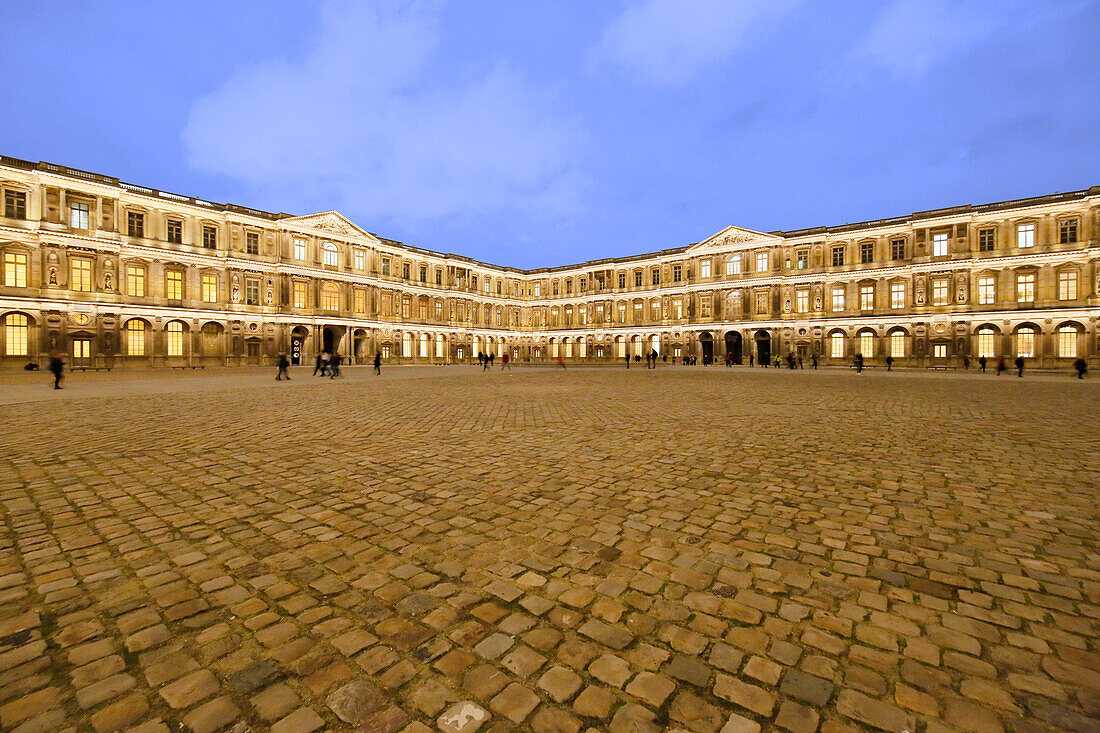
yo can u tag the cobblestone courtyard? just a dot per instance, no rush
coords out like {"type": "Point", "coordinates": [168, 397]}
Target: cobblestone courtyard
{"type": "Point", "coordinates": [597, 549]}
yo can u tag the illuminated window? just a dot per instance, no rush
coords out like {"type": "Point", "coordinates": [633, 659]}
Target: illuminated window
{"type": "Point", "coordinates": [1025, 288]}
{"type": "Point", "coordinates": [939, 351]}
{"type": "Point", "coordinates": [836, 345]}
{"type": "Point", "coordinates": [80, 275]}
{"type": "Point", "coordinates": [802, 300]}
{"type": "Point", "coordinates": [1067, 342]}
{"type": "Point", "coordinates": [704, 268]}
{"type": "Point", "coordinates": [1067, 285]}
{"type": "Point", "coordinates": [621, 310]}
{"type": "Point", "coordinates": [423, 346]}
{"type": "Point", "coordinates": [439, 310]}
{"type": "Point", "coordinates": [360, 301]}
{"type": "Point", "coordinates": [331, 254]}
{"type": "Point", "coordinates": [897, 295]}
{"type": "Point", "coordinates": [987, 342]}
{"type": "Point", "coordinates": [174, 334]}
{"type": "Point", "coordinates": [655, 310]}
{"type": "Point", "coordinates": [15, 270]}
{"type": "Point", "coordinates": [135, 281]}
{"type": "Point", "coordinates": [1025, 342]}
{"type": "Point", "coordinates": [301, 294]}
{"type": "Point", "coordinates": [897, 344]}
{"type": "Point", "coordinates": [733, 265]}
{"type": "Point", "coordinates": [439, 345]}
{"type": "Point", "coordinates": [330, 297]}
{"type": "Point", "coordinates": [838, 297]}
{"type": "Point", "coordinates": [939, 292]}
{"type": "Point", "coordinates": [538, 289]}
{"type": "Point", "coordinates": [867, 343]}
{"type": "Point", "coordinates": [866, 297]}
{"type": "Point", "coordinates": [16, 334]}
{"type": "Point", "coordinates": [761, 261]}
{"type": "Point", "coordinates": [79, 214]}
{"type": "Point", "coordinates": [677, 308]}
{"type": "Point", "coordinates": [210, 288]}
{"type": "Point", "coordinates": [1025, 236]}
{"type": "Point", "coordinates": [299, 249]}
{"type": "Point", "coordinates": [987, 290]}
{"type": "Point", "coordinates": [406, 344]}
{"type": "Point", "coordinates": [135, 338]}
{"type": "Point", "coordinates": [939, 245]}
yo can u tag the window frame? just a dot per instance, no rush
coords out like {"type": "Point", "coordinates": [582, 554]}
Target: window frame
{"type": "Point", "coordinates": [16, 268]}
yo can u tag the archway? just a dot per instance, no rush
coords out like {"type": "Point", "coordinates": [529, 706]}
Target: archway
{"type": "Point", "coordinates": [706, 341]}
{"type": "Point", "coordinates": [298, 337]}
{"type": "Point", "coordinates": [330, 339]}
{"type": "Point", "coordinates": [733, 346]}
{"type": "Point", "coordinates": [763, 347]}
{"type": "Point", "coordinates": [359, 346]}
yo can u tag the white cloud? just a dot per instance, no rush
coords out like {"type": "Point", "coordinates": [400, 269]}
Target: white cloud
{"type": "Point", "coordinates": [357, 126]}
{"type": "Point", "coordinates": [667, 41]}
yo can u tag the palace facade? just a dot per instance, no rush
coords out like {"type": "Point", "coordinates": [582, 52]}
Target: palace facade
{"type": "Point", "coordinates": [115, 274]}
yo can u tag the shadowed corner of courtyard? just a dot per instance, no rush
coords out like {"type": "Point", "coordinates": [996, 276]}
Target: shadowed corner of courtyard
{"type": "Point", "coordinates": [442, 548]}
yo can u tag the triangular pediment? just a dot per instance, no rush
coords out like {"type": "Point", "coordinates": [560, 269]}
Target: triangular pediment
{"type": "Point", "coordinates": [329, 221]}
{"type": "Point", "coordinates": [731, 236]}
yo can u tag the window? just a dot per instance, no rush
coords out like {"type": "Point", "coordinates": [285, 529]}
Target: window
{"type": "Point", "coordinates": [897, 295]}
{"type": "Point", "coordinates": [79, 215]}
{"type": "Point", "coordinates": [360, 260]}
{"type": "Point", "coordinates": [836, 345]}
{"type": "Point", "coordinates": [538, 289]}
{"type": "Point", "coordinates": [1025, 288]}
{"type": "Point", "coordinates": [897, 344]}
{"type": "Point", "coordinates": [330, 255]}
{"type": "Point", "coordinates": [210, 237]}
{"type": "Point", "coordinates": [637, 278]}
{"type": "Point", "coordinates": [1025, 342]}
{"type": "Point", "coordinates": [986, 239]}
{"type": "Point", "coordinates": [987, 342]}
{"type": "Point", "coordinates": [762, 305]}
{"type": "Point", "coordinates": [1067, 285]}
{"type": "Point", "coordinates": [488, 284]}
{"type": "Point", "coordinates": [704, 268]}
{"type": "Point", "coordinates": [385, 267]}
{"type": "Point", "coordinates": [568, 287]}
{"type": "Point", "coordinates": [135, 224]}
{"type": "Point", "coordinates": [1067, 342]}
{"type": "Point", "coordinates": [299, 249]}
{"type": "Point", "coordinates": [16, 334]}
{"type": "Point", "coordinates": [838, 256]}
{"type": "Point", "coordinates": [655, 274]}
{"type": "Point", "coordinates": [939, 245]}
{"type": "Point", "coordinates": [330, 297]}
{"type": "Point", "coordinates": [802, 300]}
{"type": "Point", "coordinates": [677, 308]}
{"type": "Point", "coordinates": [803, 258]}
{"type": "Point", "coordinates": [622, 279]}
{"type": "Point", "coordinates": [1067, 231]}
{"type": "Point", "coordinates": [406, 344]}
{"type": "Point", "coordinates": [135, 281]}
{"type": "Point", "coordinates": [424, 277]}
{"type": "Point", "coordinates": [15, 270]}
{"type": "Point", "coordinates": [621, 308]}
{"type": "Point", "coordinates": [987, 290]}
{"type": "Point", "coordinates": [677, 273]}
{"type": "Point", "coordinates": [867, 343]}
{"type": "Point", "coordinates": [423, 346]}
{"type": "Point", "coordinates": [939, 351]}
{"type": "Point", "coordinates": [655, 310]}
{"type": "Point", "coordinates": [866, 297]}
{"type": "Point", "coordinates": [838, 297]}
{"type": "Point", "coordinates": [733, 265]}
{"type": "Point", "coordinates": [438, 276]}
{"type": "Point", "coordinates": [939, 292]}
{"type": "Point", "coordinates": [175, 231]}
{"type": "Point", "coordinates": [584, 284]}
{"type": "Point", "coordinates": [1025, 236]}
{"type": "Point", "coordinates": [867, 252]}
{"type": "Point", "coordinates": [360, 301]}
{"type": "Point", "coordinates": [897, 249]}
{"type": "Point", "coordinates": [406, 309]}
{"type": "Point", "coordinates": [405, 274]}
{"type": "Point", "coordinates": [439, 312]}
{"type": "Point", "coordinates": [80, 275]}
{"type": "Point", "coordinates": [15, 204]}
{"type": "Point", "coordinates": [252, 243]}
{"type": "Point", "coordinates": [385, 351]}
{"type": "Point", "coordinates": [210, 288]}
{"type": "Point", "coordinates": [174, 334]}
{"type": "Point", "coordinates": [251, 292]}
{"type": "Point", "coordinates": [761, 261]}
{"type": "Point", "coordinates": [173, 285]}
{"type": "Point", "coordinates": [704, 307]}
{"type": "Point", "coordinates": [135, 338]}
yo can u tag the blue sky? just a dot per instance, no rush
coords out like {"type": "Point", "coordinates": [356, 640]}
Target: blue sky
{"type": "Point", "coordinates": [542, 133]}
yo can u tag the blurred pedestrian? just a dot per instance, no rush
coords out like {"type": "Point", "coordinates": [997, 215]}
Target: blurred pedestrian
{"type": "Point", "coordinates": [283, 363]}
{"type": "Point", "coordinates": [57, 367]}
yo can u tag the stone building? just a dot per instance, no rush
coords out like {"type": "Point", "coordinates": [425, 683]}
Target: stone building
{"type": "Point", "coordinates": [116, 274]}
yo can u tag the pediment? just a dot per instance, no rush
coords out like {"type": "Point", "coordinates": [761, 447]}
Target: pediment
{"type": "Point", "coordinates": [731, 236]}
{"type": "Point", "coordinates": [329, 221]}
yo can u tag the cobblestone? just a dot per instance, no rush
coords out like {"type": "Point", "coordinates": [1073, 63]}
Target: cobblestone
{"type": "Point", "coordinates": [690, 549]}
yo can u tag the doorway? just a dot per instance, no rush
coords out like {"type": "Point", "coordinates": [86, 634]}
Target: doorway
{"type": "Point", "coordinates": [763, 347]}
{"type": "Point", "coordinates": [733, 346]}
{"type": "Point", "coordinates": [82, 352]}
{"type": "Point", "coordinates": [253, 349]}
{"type": "Point", "coordinates": [707, 342]}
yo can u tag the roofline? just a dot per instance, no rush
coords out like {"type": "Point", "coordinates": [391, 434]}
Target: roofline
{"type": "Point", "coordinates": [916, 216]}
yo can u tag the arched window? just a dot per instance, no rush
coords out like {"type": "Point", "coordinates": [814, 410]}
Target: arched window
{"type": "Point", "coordinates": [406, 344]}
{"type": "Point", "coordinates": [987, 342]}
{"type": "Point", "coordinates": [135, 337]}
{"type": "Point", "coordinates": [174, 333]}
{"type": "Point", "coordinates": [423, 346]}
{"type": "Point", "coordinates": [330, 297]}
{"type": "Point", "coordinates": [331, 254]}
{"type": "Point", "coordinates": [867, 343]}
{"type": "Point", "coordinates": [1067, 342]}
{"type": "Point", "coordinates": [897, 344]}
{"type": "Point", "coordinates": [836, 345]}
{"type": "Point", "coordinates": [1025, 341]}
{"type": "Point", "coordinates": [439, 345]}
{"type": "Point", "coordinates": [16, 334]}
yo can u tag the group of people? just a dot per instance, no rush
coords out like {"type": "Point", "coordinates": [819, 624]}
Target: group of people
{"type": "Point", "coordinates": [486, 361]}
{"type": "Point", "coordinates": [326, 365]}
{"type": "Point", "coordinates": [650, 360]}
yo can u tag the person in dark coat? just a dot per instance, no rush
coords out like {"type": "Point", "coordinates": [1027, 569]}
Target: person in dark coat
{"type": "Point", "coordinates": [378, 363]}
{"type": "Point", "coordinates": [889, 363]}
{"type": "Point", "coordinates": [1081, 366]}
{"type": "Point", "coordinates": [982, 361]}
{"type": "Point", "coordinates": [319, 366]}
{"type": "Point", "coordinates": [1019, 366]}
{"type": "Point", "coordinates": [1001, 366]}
{"type": "Point", "coordinates": [334, 366]}
{"type": "Point", "coordinates": [283, 363]}
{"type": "Point", "coordinates": [813, 360]}
{"type": "Point", "coordinates": [57, 367]}
{"type": "Point", "coordinates": [859, 363]}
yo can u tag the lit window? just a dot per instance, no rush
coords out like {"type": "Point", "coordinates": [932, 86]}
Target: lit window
{"type": "Point", "coordinates": [135, 281]}
{"type": "Point", "coordinates": [866, 297]}
{"type": "Point", "coordinates": [16, 334]}
{"type": "Point", "coordinates": [439, 311]}
{"type": "Point", "coordinates": [174, 335]}
{"type": "Point", "coordinates": [836, 345]}
{"type": "Point", "coordinates": [210, 288]}
{"type": "Point", "coordinates": [897, 344]}
{"type": "Point", "coordinates": [802, 300]}
{"type": "Point", "coordinates": [1067, 231]}
{"type": "Point", "coordinates": [538, 289]}
{"type": "Point", "coordinates": [867, 343]}
{"type": "Point", "coordinates": [423, 346]}
{"type": "Point", "coordinates": [80, 275]}
{"type": "Point", "coordinates": [677, 308]}
{"type": "Point", "coordinates": [897, 295]}
{"type": "Point", "coordinates": [1025, 288]}
{"type": "Point", "coordinates": [299, 249]}
{"type": "Point", "coordinates": [331, 254]}
{"type": "Point", "coordinates": [987, 290]}
{"type": "Point", "coordinates": [761, 261]}
{"type": "Point", "coordinates": [1025, 342]}
{"type": "Point", "coordinates": [301, 294]}
{"type": "Point", "coordinates": [330, 297]}
{"type": "Point", "coordinates": [733, 265]}
{"type": "Point", "coordinates": [1067, 285]}
{"type": "Point", "coordinates": [987, 342]}
{"type": "Point", "coordinates": [939, 245]}
{"type": "Point", "coordinates": [838, 297]}
{"type": "Point", "coordinates": [622, 312]}
{"type": "Point", "coordinates": [79, 213]}
{"type": "Point", "coordinates": [360, 301]}
{"type": "Point", "coordinates": [135, 338]}
{"type": "Point", "coordinates": [385, 351]}
{"type": "Point", "coordinates": [654, 310]}
{"type": "Point", "coordinates": [704, 268]}
{"type": "Point", "coordinates": [939, 351]}
{"type": "Point", "coordinates": [1067, 342]}
{"type": "Point", "coordinates": [1025, 236]}
{"type": "Point", "coordinates": [173, 285]}
{"type": "Point", "coordinates": [939, 292]}
{"type": "Point", "coordinates": [361, 259]}
{"type": "Point", "coordinates": [15, 270]}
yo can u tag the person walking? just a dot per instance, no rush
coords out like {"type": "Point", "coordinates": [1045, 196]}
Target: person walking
{"type": "Point", "coordinates": [778, 362]}
{"type": "Point", "coordinates": [283, 363]}
{"type": "Point", "coordinates": [561, 362]}
{"type": "Point", "coordinates": [378, 363]}
{"type": "Point", "coordinates": [57, 368]}
{"type": "Point", "coordinates": [492, 356]}
{"type": "Point", "coordinates": [982, 361]}
{"type": "Point", "coordinates": [653, 355]}
{"type": "Point", "coordinates": [1001, 365]}
{"type": "Point", "coordinates": [628, 361]}
{"type": "Point", "coordinates": [334, 366]}
{"type": "Point", "coordinates": [484, 359]}
{"type": "Point", "coordinates": [319, 365]}
{"type": "Point", "coordinates": [750, 358]}
{"type": "Point", "coordinates": [1081, 366]}
{"type": "Point", "coordinates": [800, 364]}
{"type": "Point", "coordinates": [966, 363]}
{"type": "Point", "coordinates": [504, 363]}
{"type": "Point", "coordinates": [813, 360]}
{"type": "Point", "coordinates": [1019, 366]}
{"type": "Point", "coordinates": [889, 363]}
{"type": "Point", "coordinates": [859, 363]}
